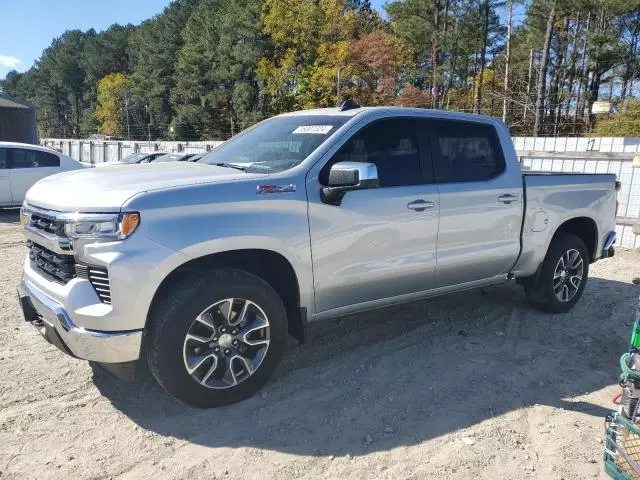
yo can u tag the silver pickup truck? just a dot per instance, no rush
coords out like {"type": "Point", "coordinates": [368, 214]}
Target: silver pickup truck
{"type": "Point", "coordinates": [203, 269]}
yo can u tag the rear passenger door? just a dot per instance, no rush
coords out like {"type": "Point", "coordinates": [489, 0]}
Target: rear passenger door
{"type": "Point", "coordinates": [27, 167]}
{"type": "Point", "coordinates": [480, 202]}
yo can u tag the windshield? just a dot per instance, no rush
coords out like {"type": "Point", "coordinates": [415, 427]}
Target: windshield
{"type": "Point", "coordinates": [169, 157]}
{"type": "Point", "coordinates": [133, 158]}
{"type": "Point", "coordinates": [276, 144]}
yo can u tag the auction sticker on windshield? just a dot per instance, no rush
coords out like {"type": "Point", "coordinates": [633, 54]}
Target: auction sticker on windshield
{"type": "Point", "coordinates": [317, 129]}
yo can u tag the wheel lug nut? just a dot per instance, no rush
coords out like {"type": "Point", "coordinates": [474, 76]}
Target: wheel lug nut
{"type": "Point", "coordinates": [222, 329]}
{"type": "Point", "coordinates": [215, 339]}
{"type": "Point", "coordinates": [217, 349]}
{"type": "Point", "coordinates": [227, 351]}
{"type": "Point", "coordinates": [234, 331]}
{"type": "Point", "coordinates": [235, 342]}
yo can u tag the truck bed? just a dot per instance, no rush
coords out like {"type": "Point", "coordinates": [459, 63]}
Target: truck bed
{"type": "Point", "coordinates": [552, 198]}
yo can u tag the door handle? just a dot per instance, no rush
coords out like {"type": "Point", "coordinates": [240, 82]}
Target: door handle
{"type": "Point", "coordinates": [508, 198]}
{"type": "Point", "coordinates": [421, 205]}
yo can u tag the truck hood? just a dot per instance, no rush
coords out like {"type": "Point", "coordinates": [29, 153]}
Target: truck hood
{"type": "Point", "coordinates": [93, 190]}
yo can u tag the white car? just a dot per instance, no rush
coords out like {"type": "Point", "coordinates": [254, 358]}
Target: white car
{"type": "Point", "coordinates": [23, 164]}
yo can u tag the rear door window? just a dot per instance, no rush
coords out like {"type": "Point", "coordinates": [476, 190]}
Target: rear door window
{"type": "Point", "coordinates": [465, 151]}
{"type": "Point", "coordinates": [26, 158]}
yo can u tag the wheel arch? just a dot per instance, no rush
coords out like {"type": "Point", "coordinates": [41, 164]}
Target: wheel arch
{"type": "Point", "coordinates": [582, 227]}
{"type": "Point", "coordinates": [272, 267]}
{"type": "Point", "coordinates": [585, 228]}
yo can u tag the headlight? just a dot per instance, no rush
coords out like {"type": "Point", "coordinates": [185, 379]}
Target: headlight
{"type": "Point", "coordinates": [102, 225]}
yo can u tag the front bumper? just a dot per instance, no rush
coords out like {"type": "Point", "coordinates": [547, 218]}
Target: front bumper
{"type": "Point", "coordinates": [54, 324]}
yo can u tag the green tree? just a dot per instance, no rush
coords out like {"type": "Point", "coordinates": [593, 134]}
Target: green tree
{"type": "Point", "coordinates": [216, 91]}
{"type": "Point", "coordinates": [19, 85]}
{"type": "Point", "coordinates": [106, 52]}
{"type": "Point", "coordinates": [241, 45]}
{"type": "Point", "coordinates": [626, 123]}
{"type": "Point", "coordinates": [61, 92]}
{"type": "Point", "coordinates": [153, 50]}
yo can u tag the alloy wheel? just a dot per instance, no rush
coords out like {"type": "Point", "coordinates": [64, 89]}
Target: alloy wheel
{"type": "Point", "coordinates": [226, 343]}
{"type": "Point", "coordinates": [567, 276]}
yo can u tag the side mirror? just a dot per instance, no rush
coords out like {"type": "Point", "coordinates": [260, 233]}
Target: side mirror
{"type": "Point", "coordinates": [347, 176]}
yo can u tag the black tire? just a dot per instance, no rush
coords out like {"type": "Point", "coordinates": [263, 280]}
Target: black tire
{"type": "Point", "coordinates": [540, 293]}
{"type": "Point", "coordinates": [173, 316]}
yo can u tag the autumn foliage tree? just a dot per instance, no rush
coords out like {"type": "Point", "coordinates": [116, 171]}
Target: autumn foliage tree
{"type": "Point", "coordinates": [376, 65]}
{"type": "Point", "coordinates": [412, 96]}
{"type": "Point", "coordinates": [311, 43]}
{"type": "Point", "coordinates": [111, 110]}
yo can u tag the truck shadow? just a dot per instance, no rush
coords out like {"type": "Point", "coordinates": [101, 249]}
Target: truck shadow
{"type": "Point", "coordinates": [406, 374]}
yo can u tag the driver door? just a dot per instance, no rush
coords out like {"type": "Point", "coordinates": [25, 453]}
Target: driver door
{"type": "Point", "coordinates": [379, 243]}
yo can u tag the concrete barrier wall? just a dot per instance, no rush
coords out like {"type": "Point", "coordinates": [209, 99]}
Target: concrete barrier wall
{"type": "Point", "coordinates": [97, 151]}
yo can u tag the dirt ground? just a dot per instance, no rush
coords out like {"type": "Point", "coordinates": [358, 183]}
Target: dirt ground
{"type": "Point", "coordinates": [471, 386]}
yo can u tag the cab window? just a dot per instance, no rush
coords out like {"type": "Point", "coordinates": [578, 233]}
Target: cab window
{"type": "Point", "coordinates": [465, 151]}
{"type": "Point", "coordinates": [391, 145]}
{"type": "Point", "coordinates": [25, 158]}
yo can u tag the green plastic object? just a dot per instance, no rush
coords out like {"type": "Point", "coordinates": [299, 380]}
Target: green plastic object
{"type": "Point", "coordinates": [635, 336]}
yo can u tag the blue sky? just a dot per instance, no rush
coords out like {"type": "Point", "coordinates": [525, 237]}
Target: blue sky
{"type": "Point", "coordinates": [28, 26]}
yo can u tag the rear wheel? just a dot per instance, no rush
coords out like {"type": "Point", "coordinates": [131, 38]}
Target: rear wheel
{"type": "Point", "coordinates": [562, 277]}
{"type": "Point", "coordinates": [217, 338]}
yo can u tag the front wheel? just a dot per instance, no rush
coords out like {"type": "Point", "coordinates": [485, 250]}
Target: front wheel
{"type": "Point", "coordinates": [562, 277]}
{"type": "Point", "coordinates": [217, 338]}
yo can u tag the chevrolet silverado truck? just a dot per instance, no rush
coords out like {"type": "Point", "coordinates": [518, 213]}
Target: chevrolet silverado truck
{"type": "Point", "coordinates": [203, 269]}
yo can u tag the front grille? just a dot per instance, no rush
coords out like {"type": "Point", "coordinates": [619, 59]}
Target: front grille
{"type": "Point", "coordinates": [46, 224]}
{"type": "Point", "coordinates": [51, 265]}
{"type": "Point", "coordinates": [99, 278]}
{"type": "Point", "coordinates": [62, 268]}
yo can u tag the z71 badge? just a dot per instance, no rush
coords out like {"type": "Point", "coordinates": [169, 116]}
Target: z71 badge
{"type": "Point", "coordinates": [264, 189]}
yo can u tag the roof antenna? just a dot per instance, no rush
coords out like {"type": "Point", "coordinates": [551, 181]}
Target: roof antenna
{"type": "Point", "coordinates": [348, 104]}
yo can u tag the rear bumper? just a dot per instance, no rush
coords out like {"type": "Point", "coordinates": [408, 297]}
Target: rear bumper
{"type": "Point", "coordinates": [54, 324]}
{"type": "Point", "coordinates": [607, 246]}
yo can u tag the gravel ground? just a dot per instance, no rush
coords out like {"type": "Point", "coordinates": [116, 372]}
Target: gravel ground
{"type": "Point", "coordinates": [475, 385]}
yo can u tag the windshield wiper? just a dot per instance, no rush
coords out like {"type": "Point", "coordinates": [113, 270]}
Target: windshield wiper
{"type": "Point", "coordinates": [231, 165]}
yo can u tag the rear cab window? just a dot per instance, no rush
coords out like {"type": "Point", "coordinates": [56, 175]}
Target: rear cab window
{"type": "Point", "coordinates": [465, 151]}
